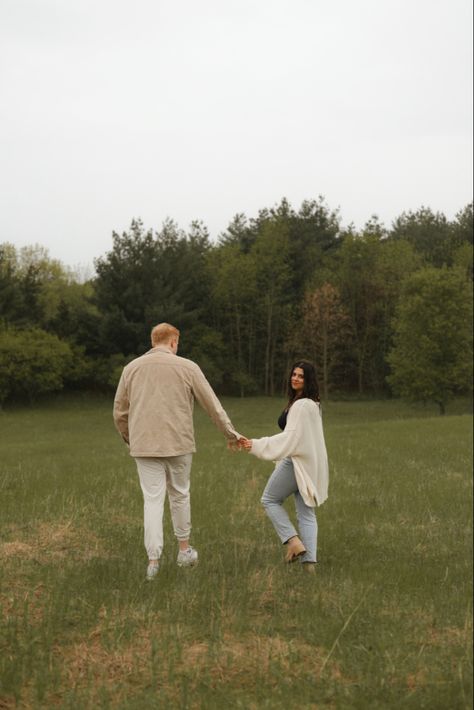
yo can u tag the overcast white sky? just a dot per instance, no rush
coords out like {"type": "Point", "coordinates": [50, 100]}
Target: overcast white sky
{"type": "Point", "coordinates": [199, 109]}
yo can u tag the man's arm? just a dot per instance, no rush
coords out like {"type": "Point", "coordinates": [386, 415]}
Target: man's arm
{"type": "Point", "coordinates": [121, 408]}
{"type": "Point", "coordinates": [206, 397]}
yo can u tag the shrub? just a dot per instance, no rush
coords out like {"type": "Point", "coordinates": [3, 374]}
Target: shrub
{"type": "Point", "coordinates": [32, 363]}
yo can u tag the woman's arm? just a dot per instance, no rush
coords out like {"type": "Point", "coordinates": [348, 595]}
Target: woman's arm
{"type": "Point", "coordinates": [281, 445]}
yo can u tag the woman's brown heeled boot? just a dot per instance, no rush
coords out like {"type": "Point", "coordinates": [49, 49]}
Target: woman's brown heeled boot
{"type": "Point", "coordinates": [294, 549]}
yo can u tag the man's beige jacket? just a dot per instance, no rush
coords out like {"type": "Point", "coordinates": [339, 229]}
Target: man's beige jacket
{"type": "Point", "coordinates": [153, 407]}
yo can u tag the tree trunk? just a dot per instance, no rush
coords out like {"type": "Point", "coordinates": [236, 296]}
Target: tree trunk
{"type": "Point", "coordinates": [268, 348]}
{"type": "Point", "coordinates": [325, 363]}
{"type": "Point", "coordinates": [250, 360]}
{"type": "Point", "coordinates": [359, 375]}
{"type": "Point", "coordinates": [239, 339]}
{"type": "Point", "coordinates": [239, 348]}
{"type": "Point", "coordinates": [361, 354]}
{"type": "Point", "coordinates": [272, 369]}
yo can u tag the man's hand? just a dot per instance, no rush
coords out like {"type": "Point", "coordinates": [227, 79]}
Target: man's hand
{"type": "Point", "coordinates": [239, 444]}
{"type": "Point", "coordinates": [233, 445]}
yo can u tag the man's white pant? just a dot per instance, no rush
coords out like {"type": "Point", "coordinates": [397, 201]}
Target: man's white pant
{"type": "Point", "coordinates": [158, 475]}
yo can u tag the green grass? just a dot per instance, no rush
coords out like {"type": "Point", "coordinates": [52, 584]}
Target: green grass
{"type": "Point", "coordinates": [386, 623]}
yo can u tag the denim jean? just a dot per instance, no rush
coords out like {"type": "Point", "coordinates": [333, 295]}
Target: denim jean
{"type": "Point", "coordinates": [281, 484]}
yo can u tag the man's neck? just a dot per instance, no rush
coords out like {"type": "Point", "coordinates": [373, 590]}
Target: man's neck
{"type": "Point", "coordinates": [163, 348]}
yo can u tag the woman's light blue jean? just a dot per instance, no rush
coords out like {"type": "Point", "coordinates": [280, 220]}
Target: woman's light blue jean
{"type": "Point", "coordinates": [281, 484]}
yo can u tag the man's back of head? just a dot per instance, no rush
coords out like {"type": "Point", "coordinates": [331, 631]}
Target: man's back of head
{"type": "Point", "coordinates": [165, 334]}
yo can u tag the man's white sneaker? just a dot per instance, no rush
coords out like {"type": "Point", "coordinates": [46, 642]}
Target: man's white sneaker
{"type": "Point", "coordinates": [152, 569]}
{"type": "Point", "coordinates": [187, 558]}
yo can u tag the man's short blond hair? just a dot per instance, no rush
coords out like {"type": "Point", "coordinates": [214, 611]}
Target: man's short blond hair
{"type": "Point", "coordinates": [163, 333]}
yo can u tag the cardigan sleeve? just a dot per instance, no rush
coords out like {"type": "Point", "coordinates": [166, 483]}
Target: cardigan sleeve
{"type": "Point", "coordinates": [279, 446]}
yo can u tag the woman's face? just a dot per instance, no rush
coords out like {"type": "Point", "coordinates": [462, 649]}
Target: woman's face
{"type": "Point", "coordinates": [297, 380]}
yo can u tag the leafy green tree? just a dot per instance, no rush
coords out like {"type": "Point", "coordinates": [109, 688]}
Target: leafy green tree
{"type": "Point", "coordinates": [361, 291]}
{"type": "Point", "coordinates": [239, 233]}
{"type": "Point", "coordinates": [463, 259]}
{"type": "Point", "coordinates": [11, 301]}
{"type": "Point", "coordinates": [233, 279]}
{"type": "Point", "coordinates": [463, 225]}
{"type": "Point", "coordinates": [128, 281]}
{"type": "Point", "coordinates": [32, 363]}
{"type": "Point", "coordinates": [44, 282]}
{"type": "Point", "coordinates": [273, 303]}
{"type": "Point", "coordinates": [371, 270]}
{"type": "Point", "coordinates": [147, 278]}
{"type": "Point", "coordinates": [77, 319]}
{"type": "Point", "coordinates": [430, 233]}
{"type": "Point", "coordinates": [207, 348]}
{"type": "Point", "coordinates": [432, 355]}
{"type": "Point", "coordinates": [396, 260]}
{"type": "Point", "coordinates": [322, 332]}
{"type": "Point", "coordinates": [313, 235]}
{"type": "Point", "coordinates": [35, 290]}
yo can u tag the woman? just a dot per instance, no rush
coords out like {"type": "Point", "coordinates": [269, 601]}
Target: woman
{"type": "Point", "coordinates": [302, 468]}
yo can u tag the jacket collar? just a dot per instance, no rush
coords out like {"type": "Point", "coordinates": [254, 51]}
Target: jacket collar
{"type": "Point", "coordinates": [160, 349]}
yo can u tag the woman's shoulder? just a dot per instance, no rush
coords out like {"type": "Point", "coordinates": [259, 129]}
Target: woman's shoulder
{"type": "Point", "coordinates": [305, 403]}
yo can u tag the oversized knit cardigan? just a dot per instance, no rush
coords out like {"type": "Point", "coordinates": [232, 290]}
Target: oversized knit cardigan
{"type": "Point", "coordinates": [303, 442]}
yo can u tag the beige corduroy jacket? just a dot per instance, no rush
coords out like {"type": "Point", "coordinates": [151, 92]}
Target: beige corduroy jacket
{"type": "Point", "coordinates": [153, 407]}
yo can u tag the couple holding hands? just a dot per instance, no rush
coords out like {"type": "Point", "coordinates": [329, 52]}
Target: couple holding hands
{"type": "Point", "coordinates": [153, 411]}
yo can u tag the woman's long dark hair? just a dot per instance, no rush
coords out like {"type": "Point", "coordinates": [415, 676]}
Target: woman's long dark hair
{"type": "Point", "coordinates": [311, 387]}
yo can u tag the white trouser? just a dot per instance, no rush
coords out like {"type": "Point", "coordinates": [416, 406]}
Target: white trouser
{"type": "Point", "coordinates": [158, 475]}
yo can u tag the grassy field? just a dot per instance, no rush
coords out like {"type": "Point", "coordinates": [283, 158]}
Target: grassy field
{"type": "Point", "coordinates": [386, 623]}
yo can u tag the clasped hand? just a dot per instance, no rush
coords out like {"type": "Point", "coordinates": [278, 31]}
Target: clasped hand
{"type": "Point", "coordinates": [240, 444]}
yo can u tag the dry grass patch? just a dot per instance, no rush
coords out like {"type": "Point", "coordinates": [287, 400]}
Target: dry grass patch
{"type": "Point", "coordinates": [92, 660]}
{"type": "Point", "coordinates": [41, 543]}
{"type": "Point", "coordinates": [33, 599]}
{"type": "Point", "coordinates": [450, 636]}
{"type": "Point", "coordinates": [46, 541]}
{"type": "Point", "coordinates": [251, 658]}
{"type": "Point", "coordinates": [427, 633]}
{"type": "Point", "coordinates": [263, 587]}
{"type": "Point", "coordinates": [416, 680]}
{"type": "Point", "coordinates": [239, 662]}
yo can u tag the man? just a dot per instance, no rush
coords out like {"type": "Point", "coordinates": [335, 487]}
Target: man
{"type": "Point", "coordinates": [153, 412]}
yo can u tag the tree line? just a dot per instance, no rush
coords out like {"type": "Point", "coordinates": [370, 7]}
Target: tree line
{"type": "Point", "coordinates": [378, 310]}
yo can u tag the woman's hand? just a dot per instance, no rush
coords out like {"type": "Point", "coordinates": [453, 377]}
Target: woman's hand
{"type": "Point", "coordinates": [245, 444]}
{"type": "Point", "coordinates": [239, 444]}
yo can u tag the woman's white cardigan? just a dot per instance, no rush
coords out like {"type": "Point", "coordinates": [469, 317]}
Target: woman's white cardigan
{"type": "Point", "coordinates": [302, 441]}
